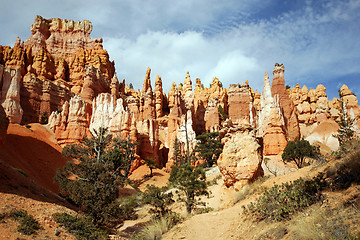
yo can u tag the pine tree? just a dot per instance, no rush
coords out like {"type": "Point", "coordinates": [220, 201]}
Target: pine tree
{"type": "Point", "coordinates": [346, 123]}
{"type": "Point", "coordinates": [92, 180]}
{"type": "Point", "coordinates": [151, 164]}
{"type": "Point", "coordinates": [177, 156]}
{"type": "Point", "coordinates": [159, 199]}
{"type": "Point", "coordinates": [209, 147]}
{"type": "Point", "coordinates": [297, 150]}
{"type": "Point", "coordinates": [191, 182]}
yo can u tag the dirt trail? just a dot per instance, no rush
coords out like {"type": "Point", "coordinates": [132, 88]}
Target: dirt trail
{"type": "Point", "coordinates": [231, 223]}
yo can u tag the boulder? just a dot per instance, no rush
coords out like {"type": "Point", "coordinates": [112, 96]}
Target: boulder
{"type": "Point", "coordinates": [240, 161]}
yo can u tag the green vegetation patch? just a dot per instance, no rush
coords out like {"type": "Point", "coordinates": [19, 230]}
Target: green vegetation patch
{"type": "Point", "coordinates": [282, 201]}
{"type": "Point", "coordinates": [28, 224]}
{"type": "Point", "coordinates": [82, 228]}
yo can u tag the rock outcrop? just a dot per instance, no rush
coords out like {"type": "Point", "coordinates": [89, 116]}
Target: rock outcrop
{"type": "Point", "coordinates": [10, 80]}
{"type": "Point", "coordinates": [58, 58]}
{"type": "Point", "coordinates": [286, 105]}
{"type": "Point", "coordinates": [240, 161]}
{"type": "Point", "coordinates": [72, 123]}
{"type": "Point", "coordinates": [271, 124]}
{"type": "Point", "coordinates": [350, 101]}
{"type": "Point", "coordinates": [61, 69]}
{"type": "Point", "coordinates": [241, 109]}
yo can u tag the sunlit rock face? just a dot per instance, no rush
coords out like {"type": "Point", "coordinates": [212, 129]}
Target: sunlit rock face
{"type": "Point", "coordinates": [241, 109]}
{"type": "Point", "coordinates": [58, 60]}
{"type": "Point", "coordinates": [10, 81]}
{"type": "Point", "coordinates": [240, 161]}
{"type": "Point", "coordinates": [72, 123]}
{"type": "Point", "coordinates": [61, 70]}
{"type": "Point", "coordinates": [286, 105]}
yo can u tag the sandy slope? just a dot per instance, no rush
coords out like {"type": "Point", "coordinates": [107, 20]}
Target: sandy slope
{"type": "Point", "coordinates": [34, 150]}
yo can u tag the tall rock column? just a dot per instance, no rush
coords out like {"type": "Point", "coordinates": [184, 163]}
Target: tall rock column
{"type": "Point", "coordinates": [115, 87]}
{"type": "Point", "coordinates": [10, 94]}
{"type": "Point", "coordinates": [159, 97]}
{"type": "Point", "coordinates": [271, 122]}
{"type": "Point", "coordinates": [287, 106]}
{"type": "Point", "coordinates": [174, 119]}
{"type": "Point", "coordinates": [185, 134]}
{"type": "Point", "coordinates": [351, 101]}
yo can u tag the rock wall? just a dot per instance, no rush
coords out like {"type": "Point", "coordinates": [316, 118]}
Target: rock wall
{"type": "Point", "coordinates": [59, 60]}
{"type": "Point", "coordinates": [72, 123]}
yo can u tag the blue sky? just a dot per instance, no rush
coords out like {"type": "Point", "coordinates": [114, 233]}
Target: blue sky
{"type": "Point", "coordinates": [318, 41]}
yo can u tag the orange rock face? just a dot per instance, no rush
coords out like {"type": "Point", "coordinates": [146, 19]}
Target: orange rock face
{"type": "Point", "coordinates": [274, 138]}
{"type": "Point", "coordinates": [240, 161]}
{"type": "Point", "coordinates": [350, 101]}
{"type": "Point", "coordinates": [287, 106]}
{"type": "Point", "coordinates": [241, 109]}
{"type": "Point", "coordinates": [61, 69]}
{"type": "Point", "coordinates": [61, 52]}
{"type": "Point", "coordinates": [72, 123]}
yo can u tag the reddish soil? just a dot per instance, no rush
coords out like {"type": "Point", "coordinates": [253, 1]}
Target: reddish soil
{"type": "Point", "coordinates": [35, 151]}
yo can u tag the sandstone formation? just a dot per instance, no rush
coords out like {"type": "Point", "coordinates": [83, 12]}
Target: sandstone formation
{"type": "Point", "coordinates": [56, 62]}
{"type": "Point", "coordinates": [240, 161]}
{"type": "Point", "coordinates": [241, 109]}
{"type": "Point", "coordinates": [271, 122]}
{"type": "Point", "coordinates": [286, 105]}
{"type": "Point", "coordinates": [61, 70]}
{"type": "Point", "coordinates": [350, 101]}
{"type": "Point", "coordinates": [10, 93]}
{"type": "Point", "coordinates": [72, 123]}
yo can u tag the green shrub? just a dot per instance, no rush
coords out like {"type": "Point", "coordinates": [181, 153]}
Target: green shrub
{"type": "Point", "coordinates": [93, 182]}
{"type": "Point", "coordinates": [82, 228]}
{"type": "Point", "coordinates": [282, 201]}
{"type": "Point", "coordinates": [17, 214]}
{"type": "Point", "coordinates": [297, 150]}
{"type": "Point", "coordinates": [191, 182]}
{"type": "Point", "coordinates": [342, 175]}
{"type": "Point", "coordinates": [28, 224]}
{"type": "Point", "coordinates": [158, 199]}
{"type": "Point", "coordinates": [201, 210]}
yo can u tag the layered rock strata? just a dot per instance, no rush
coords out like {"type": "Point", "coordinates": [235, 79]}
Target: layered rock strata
{"type": "Point", "coordinates": [56, 62]}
